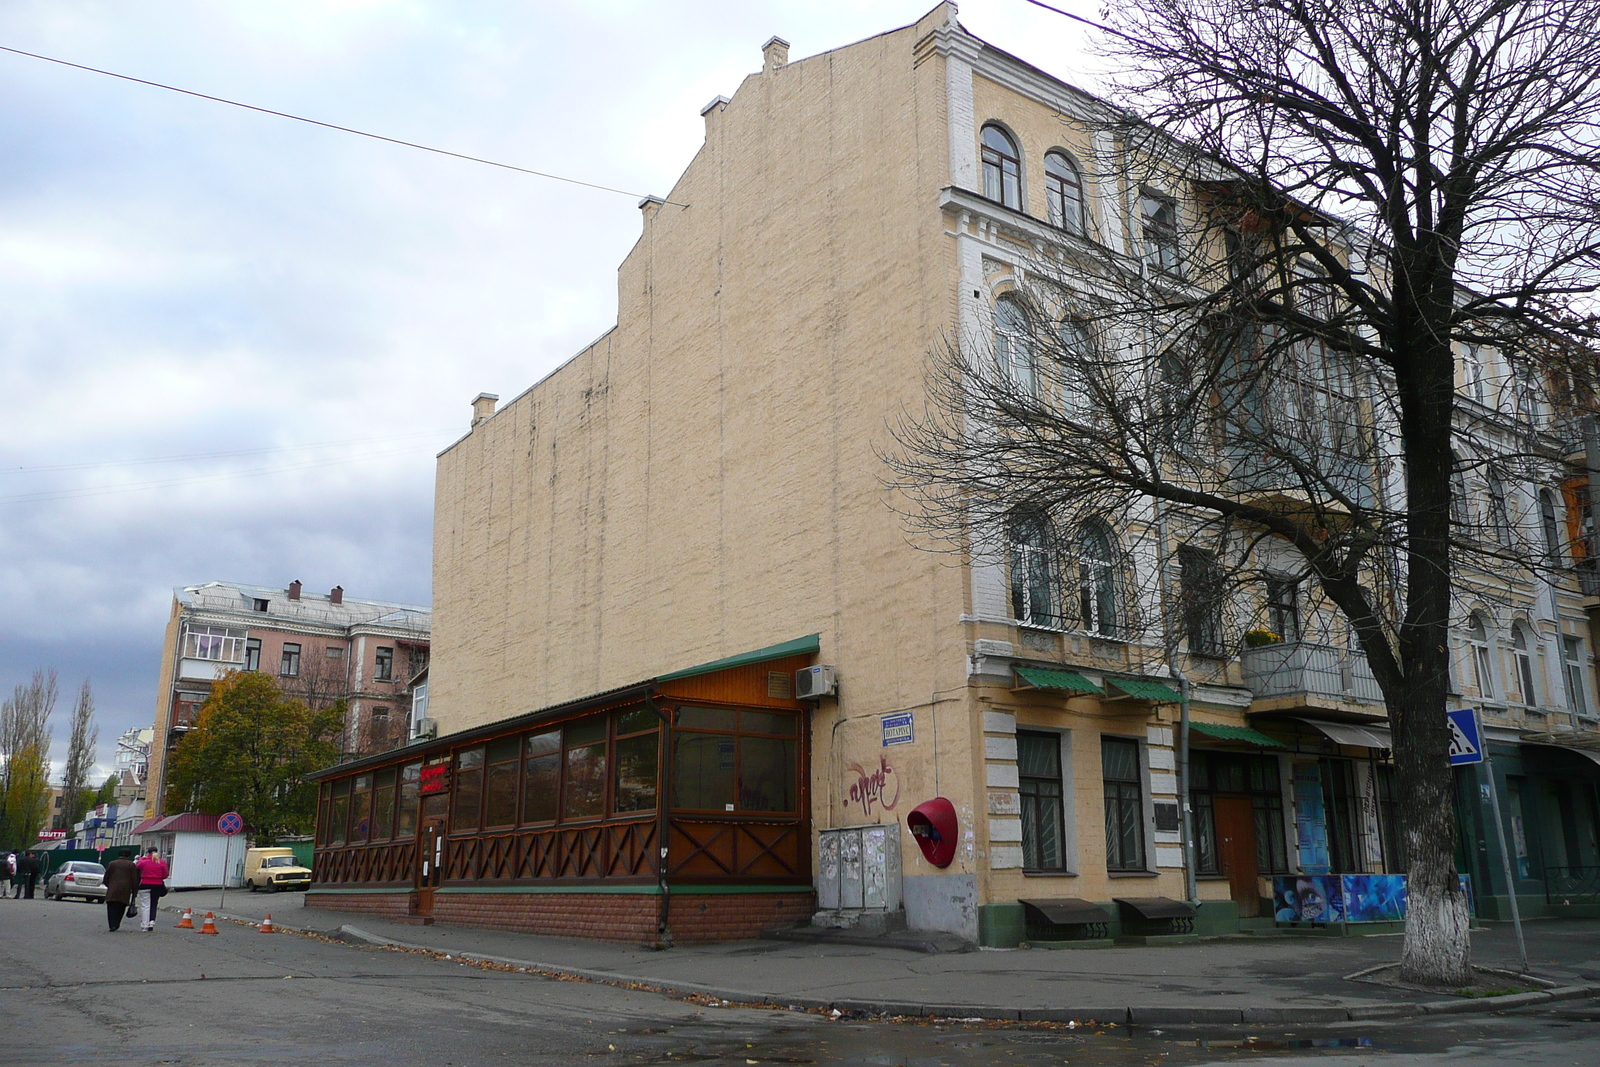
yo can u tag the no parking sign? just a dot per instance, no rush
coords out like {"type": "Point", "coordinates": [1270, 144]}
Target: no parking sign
{"type": "Point", "coordinates": [230, 824]}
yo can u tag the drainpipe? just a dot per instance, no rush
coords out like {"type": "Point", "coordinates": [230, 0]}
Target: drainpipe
{"type": "Point", "coordinates": [1185, 815]}
{"type": "Point", "coordinates": [663, 824]}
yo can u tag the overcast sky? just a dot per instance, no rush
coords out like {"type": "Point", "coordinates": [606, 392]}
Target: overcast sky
{"type": "Point", "coordinates": [179, 278]}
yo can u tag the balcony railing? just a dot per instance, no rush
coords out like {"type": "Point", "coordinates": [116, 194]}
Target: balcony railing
{"type": "Point", "coordinates": [1299, 668]}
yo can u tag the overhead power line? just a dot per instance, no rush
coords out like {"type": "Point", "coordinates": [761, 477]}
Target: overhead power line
{"type": "Point", "coordinates": [334, 126]}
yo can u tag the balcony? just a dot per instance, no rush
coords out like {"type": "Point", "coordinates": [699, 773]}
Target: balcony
{"type": "Point", "coordinates": [1301, 674]}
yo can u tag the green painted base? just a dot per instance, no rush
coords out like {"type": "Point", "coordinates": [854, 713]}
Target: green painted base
{"type": "Point", "coordinates": [1216, 918]}
{"type": "Point", "coordinates": [1158, 939]}
{"type": "Point", "coordinates": [1088, 942]}
{"type": "Point", "coordinates": [1001, 925]}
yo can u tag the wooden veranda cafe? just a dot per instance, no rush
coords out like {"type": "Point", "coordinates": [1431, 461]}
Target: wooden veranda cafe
{"type": "Point", "coordinates": [672, 809]}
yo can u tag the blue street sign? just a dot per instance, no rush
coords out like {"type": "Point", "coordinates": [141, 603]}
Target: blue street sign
{"type": "Point", "coordinates": [899, 729]}
{"type": "Point", "coordinates": [1466, 737]}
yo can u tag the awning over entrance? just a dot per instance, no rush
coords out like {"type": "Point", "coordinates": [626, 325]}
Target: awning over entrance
{"type": "Point", "coordinates": [1362, 735]}
{"type": "Point", "coordinates": [1058, 681]}
{"type": "Point", "coordinates": [1235, 733]}
{"type": "Point", "coordinates": [1145, 689]}
{"type": "Point", "coordinates": [1586, 753]}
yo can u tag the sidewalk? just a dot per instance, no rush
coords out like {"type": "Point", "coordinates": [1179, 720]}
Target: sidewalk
{"type": "Point", "coordinates": [1224, 980]}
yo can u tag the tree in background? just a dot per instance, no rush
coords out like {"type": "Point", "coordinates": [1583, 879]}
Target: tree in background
{"type": "Point", "coordinates": [250, 751]}
{"type": "Point", "coordinates": [107, 793]}
{"type": "Point", "coordinates": [76, 799]}
{"type": "Point", "coordinates": [24, 760]}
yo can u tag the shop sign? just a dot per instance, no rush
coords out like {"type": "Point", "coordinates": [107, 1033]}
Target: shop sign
{"type": "Point", "coordinates": [52, 835]}
{"type": "Point", "coordinates": [899, 729]}
{"type": "Point", "coordinates": [435, 779]}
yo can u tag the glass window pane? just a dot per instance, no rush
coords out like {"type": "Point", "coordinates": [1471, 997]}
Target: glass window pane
{"type": "Point", "coordinates": [706, 718]}
{"type": "Point", "coordinates": [764, 722]}
{"type": "Point", "coordinates": [406, 813]}
{"type": "Point", "coordinates": [585, 793]}
{"type": "Point", "coordinates": [583, 731]}
{"type": "Point", "coordinates": [635, 786]}
{"type": "Point", "coordinates": [702, 772]}
{"type": "Point", "coordinates": [632, 722]}
{"type": "Point", "coordinates": [507, 748]}
{"type": "Point", "coordinates": [383, 805]}
{"type": "Point", "coordinates": [361, 810]}
{"type": "Point", "coordinates": [500, 799]}
{"type": "Point", "coordinates": [549, 741]}
{"type": "Point", "coordinates": [472, 757]}
{"type": "Point", "coordinates": [339, 809]}
{"type": "Point", "coordinates": [1120, 759]}
{"type": "Point", "coordinates": [1038, 755]}
{"type": "Point", "coordinates": [766, 774]}
{"type": "Point", "coordinates": [469, 800]}
{"type": "Point", "coordinates": [542, 788]}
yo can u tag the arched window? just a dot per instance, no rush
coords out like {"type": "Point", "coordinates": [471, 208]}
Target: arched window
{"type": "Point", "coordinates": [1460, 515]}
{"type": "Point", "coordinates": [1002, 168]}
{"type": "Point", "coordinates": [1077, 366]}
{"type": "Point", "coordinates": [1499, 513]}
{"type": "Point", "coordinates": [1551, 526]}
{"type": "Point", "coordinates": [1522, 645]}
{"type": "Point", "coordinates": [1482, 661]}
{"type": "Point", "coordinates": [1011, 349]}
{"type": "Point", "coordinates": [1063, 192]}
{"type": "Point", "coordinates": [1033, 572]}
{"type": "Point", "coordinates": [1097, 580]}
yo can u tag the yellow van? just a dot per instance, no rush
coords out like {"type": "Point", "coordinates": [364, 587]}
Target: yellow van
{"type": "Point", "coordinates": [274, 869]}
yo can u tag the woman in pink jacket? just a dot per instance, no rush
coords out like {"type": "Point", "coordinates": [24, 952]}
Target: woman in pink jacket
{"type": "Point", "coordinates": [152, 887]}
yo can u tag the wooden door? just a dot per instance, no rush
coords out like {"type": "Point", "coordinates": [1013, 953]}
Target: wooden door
{"type": "Point", "coordinates": [1236, 848]}
{"type": "Point", "coordinates": [431, 847]}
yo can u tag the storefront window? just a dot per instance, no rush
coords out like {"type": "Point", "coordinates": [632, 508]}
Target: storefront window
{"type": "Point", "coordinates": [469, 790]}
{"type": "Point", "coordinates": [322, 813]}
{"type": "Point", "coordinates": [406, 809]}
{"type": "Point", "coordinates": [338, 811]}
{"type": "Point", "coordinates": [500, 791]}
{"type": "Point", "coordinates": [541, 792]}
{"type": "Point", "coordinates": [638, 748]}
{"type": "Point", "coordinates": [584, 796]}
{"type": "Point", "coordinates": [726, 760]}
{"type": "Point", "coordinates": [383, 805]}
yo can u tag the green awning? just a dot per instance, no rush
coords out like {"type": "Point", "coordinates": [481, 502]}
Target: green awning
{"type": "Point", "coordinates": [1144, 689]}
{"type": "Point", "coordinates": [1235, 733]}
{"type": "Point", "coordinates": [1060, 681]}
{"type": "Point", "coordinates": [800, 646]}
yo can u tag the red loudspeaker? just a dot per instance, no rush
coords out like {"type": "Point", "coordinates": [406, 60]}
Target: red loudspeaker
{"type": "Point", "coordinates": [933, 824]}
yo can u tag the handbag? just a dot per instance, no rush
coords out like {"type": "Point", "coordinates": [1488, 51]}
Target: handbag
{"type": "Point", "coordinates": [133, 910]}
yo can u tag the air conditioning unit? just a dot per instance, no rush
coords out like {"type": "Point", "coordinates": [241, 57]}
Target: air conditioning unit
{"type": "Point", "coordinates": [812, 683]}
{"type": "Point", "coordinates": [425, 729]}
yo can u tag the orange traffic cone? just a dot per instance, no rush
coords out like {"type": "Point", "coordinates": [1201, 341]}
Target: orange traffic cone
{"type": "Point", "coordinates": [209, 926]}
{"type": "Point", "coordinates": [187, 922]}
{"type": "Point", "coordinates": [266, 925]}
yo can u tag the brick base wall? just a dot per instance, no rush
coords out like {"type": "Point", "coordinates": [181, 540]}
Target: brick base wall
{"type": "Point", "coordinates": [387, 905]}
{"type": "Point", "coordinates": [627, 917]}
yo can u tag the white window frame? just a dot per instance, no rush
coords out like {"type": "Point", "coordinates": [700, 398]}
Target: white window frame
{"type": "Point", "coordinates": [216, 644]}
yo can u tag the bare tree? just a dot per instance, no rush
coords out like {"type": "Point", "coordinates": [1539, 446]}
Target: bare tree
{"type": "Point", "coordinates": [1326, 203]}
{"type": "Point", "coordinates": [76, 794]}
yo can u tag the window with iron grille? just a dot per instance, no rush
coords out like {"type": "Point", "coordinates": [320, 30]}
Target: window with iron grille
{"type": "Point", "coordinates": [1042, 795]}
{"type": "Point", "coordinates": [1124, 798]}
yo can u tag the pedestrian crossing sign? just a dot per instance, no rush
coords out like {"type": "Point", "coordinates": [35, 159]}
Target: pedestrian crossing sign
{"type": "Point", "coordinates": [1466, 737]}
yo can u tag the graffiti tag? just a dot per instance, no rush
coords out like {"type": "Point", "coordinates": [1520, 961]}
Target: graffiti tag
{"type": "Point", "coordinates": [874, 787]}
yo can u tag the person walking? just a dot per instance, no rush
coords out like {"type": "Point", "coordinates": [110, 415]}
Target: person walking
{"type": "Point", "coordinates": [11, 876]}
{"type": "Point", "coordinates": [152, 887]}
{"type": "Point", "coordinates": [122, 889]}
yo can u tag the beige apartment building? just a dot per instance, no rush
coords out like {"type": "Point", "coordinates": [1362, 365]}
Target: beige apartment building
{"type": "Point", "coordinates": [319, 647]}
{"type": "Point", "coordinates": [635, 557]}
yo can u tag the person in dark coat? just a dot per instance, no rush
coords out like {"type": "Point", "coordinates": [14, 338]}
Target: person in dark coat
{"type": "Point", "coordinates": [28, 872]}
{"type": "Point", "coordinates": [122, 886]}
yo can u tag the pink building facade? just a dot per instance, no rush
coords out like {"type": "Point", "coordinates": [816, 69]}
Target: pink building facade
{"type": "Point", "coordinates": [320, 648]}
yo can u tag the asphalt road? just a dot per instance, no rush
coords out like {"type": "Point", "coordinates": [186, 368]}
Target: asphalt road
{"type": "Point", "coordinates": [71, 992]}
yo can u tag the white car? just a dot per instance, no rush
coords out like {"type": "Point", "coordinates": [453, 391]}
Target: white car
{"type": "Point", "coordinates": [77, 878]}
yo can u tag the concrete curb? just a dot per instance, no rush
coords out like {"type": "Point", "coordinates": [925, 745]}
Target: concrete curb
{"type": "Point", "coordinates": [1138, 1015]}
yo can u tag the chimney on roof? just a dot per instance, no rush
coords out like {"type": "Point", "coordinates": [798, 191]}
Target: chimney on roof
{"type": "Point", "coordinates": [775, 53]}
{"type": "Point", "coordinates": [336, 596]}
{"type": "Point", "coordinates": [483, 407]}
{"type": "Point", "coordinates": [294, 589]}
